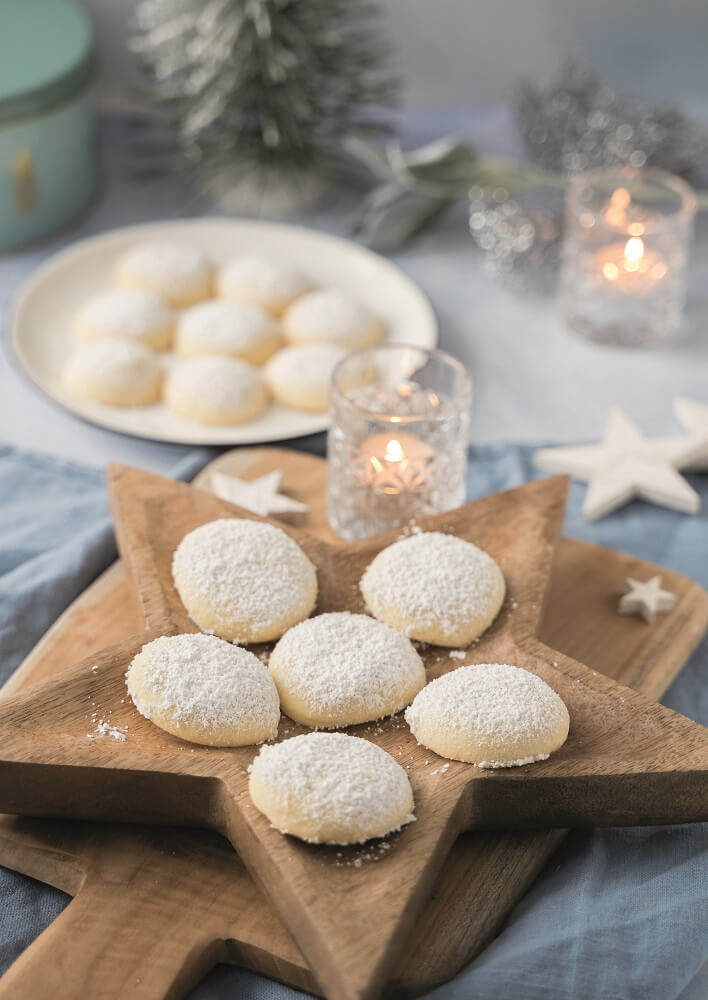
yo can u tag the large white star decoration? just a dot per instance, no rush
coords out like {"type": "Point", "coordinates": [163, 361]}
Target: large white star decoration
{"type": "Point", "coordinates": [646, 598]}
{"type": "Point", "coordinates": [624, 466]}
{"type": "Point", "coordinates": [693, 417]}
{"type": "Point", "coordinates": [260, 496]}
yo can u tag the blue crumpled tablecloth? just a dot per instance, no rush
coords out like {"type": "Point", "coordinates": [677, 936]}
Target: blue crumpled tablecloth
{"type": "Point", "coordinates": [617, 914]}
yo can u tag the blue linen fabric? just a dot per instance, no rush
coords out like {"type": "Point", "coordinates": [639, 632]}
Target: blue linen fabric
{"type": "Point", "coordinates": [617, 914]}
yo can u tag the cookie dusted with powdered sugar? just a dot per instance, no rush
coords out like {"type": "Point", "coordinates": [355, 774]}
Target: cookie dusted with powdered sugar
{"type": "Point", "coordinates": [330, 788]}
{"type": "Point", "coordinates": [204, 690]}
{"type": "Point", "coordinates": [262, 281]}
{"type": "Point", "coordinates": [215, 390]}
{"type": "Point", "coordinates": [127, 313]}
{"type": "Point", "coordinates": [178, 273]}
{"type": "Point", "coordinates": [114, 371]}
{"type": "Point", "coordinates": [228, 328]}
{"type": "Point", "coordinates": [301, 376]}
{"type": "Point", "coordinates": [340, 669]}
{"type": "Point", "coordinates": [332, 317]}
{"type": "Point", "coordinates": [434, 587]}
{"type": "Point", "coordinates": [491, 715]}
{"type": "Point", "coordinates": [245, 581]}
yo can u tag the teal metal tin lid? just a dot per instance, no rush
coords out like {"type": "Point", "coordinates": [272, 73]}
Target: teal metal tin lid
{"type": "Point", "coordinates": [46, 54]}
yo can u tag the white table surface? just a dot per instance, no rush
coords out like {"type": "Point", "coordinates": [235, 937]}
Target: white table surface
{"type": "Point", "coordinates": [534, 381]}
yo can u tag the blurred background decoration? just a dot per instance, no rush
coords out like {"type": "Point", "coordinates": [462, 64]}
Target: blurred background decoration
{"type": "Point", "coordinates": [260, 96]}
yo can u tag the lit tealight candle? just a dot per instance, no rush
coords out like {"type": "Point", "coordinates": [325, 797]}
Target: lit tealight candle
{"type": "Point", "coordinates": [630, 267]}
{"type": "Point", "coordinates": [393, 465]}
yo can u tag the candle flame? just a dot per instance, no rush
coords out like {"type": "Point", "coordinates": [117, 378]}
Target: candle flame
{"type": "Point", "coordinates": [634, 250]}
{"type": "Point", "coordinates": [393, 452]}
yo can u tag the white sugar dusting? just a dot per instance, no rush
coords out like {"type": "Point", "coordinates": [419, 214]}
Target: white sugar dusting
{"type": "Point", "coordinates": [341, 661]}
{"type": "Point", "coordinates": [342, 781]}
{"type": "Point", "coordinates": [199, 679]}
{"type": "Point", "coordinates": [433, 579]}
{"type": "Point", "coordinates": [104, 728]}
{"type": "Point", "coordinates": [244, 569]}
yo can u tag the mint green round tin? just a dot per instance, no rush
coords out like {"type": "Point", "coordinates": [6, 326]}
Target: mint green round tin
{"type": "Point", "coordinates": [47, 148]}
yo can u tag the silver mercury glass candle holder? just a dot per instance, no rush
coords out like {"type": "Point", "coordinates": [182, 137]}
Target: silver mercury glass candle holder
{"type": "Point", "coordinates": [397, 445]}
{"type": "Point", "coordinates": [625, 251]}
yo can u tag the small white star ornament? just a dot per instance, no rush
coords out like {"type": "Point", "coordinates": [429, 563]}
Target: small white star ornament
{"type": "Point", "coordinates": [624, 466]}
{"type": "Point", "coordinates": [260, 496]}
{"type": "Point", "coordinates": [646, 599]}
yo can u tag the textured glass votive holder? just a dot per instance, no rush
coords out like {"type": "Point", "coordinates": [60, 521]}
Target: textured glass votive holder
{"type": "Point", "coordinates": [397, 445]}
{"type": "Point", "coordinates": [625, 250]}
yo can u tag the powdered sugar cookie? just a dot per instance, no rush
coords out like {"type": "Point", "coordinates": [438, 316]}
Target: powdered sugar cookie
{"type": "Point", "coordinates": [301, 376]}
{"type": "Point", "coordinates": [215, 390]}
{"type": "Point", "coordinates": [244, 580]}
{"type": "Point", "coordinates": [262, 281]}
{"type": "Point", "coordinates": [330, 788]}
{"type": "Point", "coordinates": [204, 690]}
{"type": "Point", "coordinates": [331, 316]}
{"type": "Point", "coordinates": [491, 715]}
{"type": "Point", "coordinates": [229, 328]}
{"type": "Point", "coordinates": [341, 669]}
{"type": "Point", "coordinates": [434, 587]}
{"type": "Point", "coordinates": [126, 312]}
{"type": "Point", "coordinates": [176, 272]}
{"type": "Point", "coordinates": [113, 371]}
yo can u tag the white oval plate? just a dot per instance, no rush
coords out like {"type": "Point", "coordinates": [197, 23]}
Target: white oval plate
{"type": "Point", "coordinates": [46, 303]}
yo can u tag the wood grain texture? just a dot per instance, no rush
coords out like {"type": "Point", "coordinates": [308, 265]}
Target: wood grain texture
{"type": "Point", "coordinates": [496, 869]}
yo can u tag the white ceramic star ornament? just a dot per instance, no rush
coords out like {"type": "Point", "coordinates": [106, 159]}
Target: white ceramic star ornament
{"type": "Point", "coordinates": [693, 417]}
{"type": "Point", "coordinates": [624, 466]}
{"type": "Point", "coordinates": [646, 598]}
{"type": "Point", "coordinates": [260, 496]}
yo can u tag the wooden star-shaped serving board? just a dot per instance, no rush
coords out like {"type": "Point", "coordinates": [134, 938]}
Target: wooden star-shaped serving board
{"type": "Point", "coordinates": [626, 760]}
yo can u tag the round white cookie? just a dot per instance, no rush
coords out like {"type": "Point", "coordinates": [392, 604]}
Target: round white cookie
{"type": "Point", "coordinates": [331, 316]}
{"type": "Point", "coordinates": [204, 690]}
{"type": "Point", "coordinates": [126, 312]}
{"type": "Point", "coordinates": [245, 581]}
{"type": "Point", "coordinates": [491, 715]}
{"type": "Point", "coordinates": [176, 272]}
{"type": "Point", "coordinates": [301, 376]}
{"type": "Point", "coordinates": [230, 328]}
{"type": "Point", "coordinates": [434, 587]}
{"type": "Point", "coordinates": [330, 788]}
{"type": "Point", "coordinates": [262, 281]}
{"type": "Point", "coordinates": [114, 371]}
{"type": "Point", "coordinates": [341, 669]}
{"type": "Point", "coordinates": [215, 390]}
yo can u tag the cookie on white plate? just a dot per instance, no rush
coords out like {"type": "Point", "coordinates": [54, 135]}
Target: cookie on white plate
{"type": "Point", "coordinates": [178, 273]}
{"type": "Point", "coordinates": [114, 371]}
{"type": "Point", "coordinates": [263, 281]}
{"type": "Point", "coordinates": [331, 316]}
{"type": "Point", "coordinates": [233, 329]}
{"type": "Point", "coordinates": [301, 376]}
{"type": "Point", "coordinates": [128, 313]}
{"type": "Point", "coordinates": [215, 390]}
